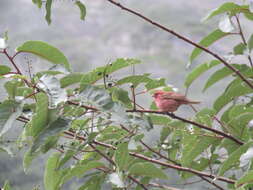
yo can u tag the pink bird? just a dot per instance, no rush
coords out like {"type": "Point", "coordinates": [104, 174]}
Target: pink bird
{"type": "Point", "coordinates": [170, 101]}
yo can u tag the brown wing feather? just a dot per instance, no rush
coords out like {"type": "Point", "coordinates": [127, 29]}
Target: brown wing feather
{"type": "Point", "coordinates": [179, 97]}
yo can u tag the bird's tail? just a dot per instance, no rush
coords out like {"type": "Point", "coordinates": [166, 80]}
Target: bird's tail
{"type": "Point", "coordinates": [193, 102]}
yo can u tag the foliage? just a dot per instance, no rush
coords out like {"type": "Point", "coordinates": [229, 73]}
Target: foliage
{"type": "Point", "coordinates": [92, 128]}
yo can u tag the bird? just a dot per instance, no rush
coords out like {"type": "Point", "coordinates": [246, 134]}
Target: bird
{"type": "Point", "coordinates": [170, 101]}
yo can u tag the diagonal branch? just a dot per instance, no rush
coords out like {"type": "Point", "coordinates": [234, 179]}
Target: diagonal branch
{"type": "Point", "coordinates": [164, 28]}
{"type": "Point", "coordinates": [228, 136]}
{"type": "Point", "coordinates": [162, 163]}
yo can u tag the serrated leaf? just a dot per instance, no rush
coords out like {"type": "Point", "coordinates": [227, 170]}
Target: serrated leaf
{"type": "Point", "coordinates": [221, 74]}
{"type": "Point", "coordinates": [9, 112]}
{"type": "Point", "coordinates": [100, 72]}
{"type": "Point", "coordinates": [225, 24]}
{"type": "Point", "coordinates": [48, 7]}
{"type": "Point", "coordinates": [245, 179]}
{"type": "Point", "coordinates": [45, 51]}
{"type": "Point", "coordinates": [147, 169]}
{"type": "Point", "coordinates": [82, 9]}
{"type": "Point", "coordinates": [228, 7]}
{"type": "Point", "coordinates": [51, 85]}
{"type": "Point", "coordinates": [4, 69]}
{"type": "Point", "coordinates": [206, 42]}
{"type": "Point", "coordinates": [199, 70]}
{"type": "Point", "coordinates": [122, 156]}
{"type": "Point", "coordinates": [234, 158]}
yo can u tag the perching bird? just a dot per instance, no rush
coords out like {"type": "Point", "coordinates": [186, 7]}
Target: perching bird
{"type": "Point", "coordinates": [170, 101]}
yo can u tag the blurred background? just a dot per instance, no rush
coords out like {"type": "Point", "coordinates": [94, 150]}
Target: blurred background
{"type": "Point", "coordinates": [106, 34]}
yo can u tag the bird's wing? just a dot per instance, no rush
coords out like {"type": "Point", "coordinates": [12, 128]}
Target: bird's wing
{"type": "Point", "coordinates": [174, 96]}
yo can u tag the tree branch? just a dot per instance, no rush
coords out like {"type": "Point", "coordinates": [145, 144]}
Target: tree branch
{"type": "Point", "coordinates": [228, 136]}
{"type": "Point", "coordinates": [237, 72]}
{"type": "Point", "coordinates": [162, 163]}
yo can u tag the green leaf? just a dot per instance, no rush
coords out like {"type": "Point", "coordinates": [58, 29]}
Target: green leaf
{"type": "Point", "coordinates": [229, 145]}
{"type": "Point", "coordinates": [121, 95]}
{"type": "Point", "coordinates": [94, 183]}
{"type": "Point", "coordinates": [38, 3]}
{"type": "Point", "coordinates": [82, 9]}
{"type": "Point", "coordinates": [233, 159]}
{"type": "Point", "coordinates": [221, 74]}
{"type": "Point", "coordinates": [199, 70]}
{"type": "Point", "coordinates": [193, 146]}
{"type": "Point", "coordinates": [52, 177]}
{"type": "Point", "coordinates": [40, 118]}
{"type": "Point", "coordinates": [70, 79]}
{"type": "Point", "coordinates": [48, 7]}
{"type": "Point", "coordinates": [53, 129]}
{"type": "Point", "coordinates": [245, 179]}
{"type": "Point", "coordinates": [122, 156]}
{"type": "Point", "coordinates": [206, 42]}
{"type": "Point", "coordinates": [27, 160]}
{"type": "Point", "coordinates": [234, 90]}
{"type": "Point", "coordinates": [51, 85]}
{"type": "Point", "coordinates": [9, 112]}
{"type": "Point", "coordinates": [239, 49]}
{"type": "Point", "coordinates": [4, 69]}
{"type": "Point", "coordinates": [101, 99]}
{"type": "Point", "coordinates": [80, 169]}
{"type": "Point", "coordinates": [250, 42]}
{"type": "Point", "coordinates": [100, 72]}
{"type": "Point", "coordinates": [12, 86]}
{"type": "Point", "coordinates": [135, 80]}
{"type": "Point", "coordinates": [228, 7]}
{"type": "Point", "coordinates": [6, 186]}
{"type": "Point", "coordinates": [147, 169]}
{"type": "Point", "coordinates": [45, 51]}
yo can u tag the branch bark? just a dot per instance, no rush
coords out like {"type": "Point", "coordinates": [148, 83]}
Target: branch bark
{"type": "Point", "coordinates": [187, 40]}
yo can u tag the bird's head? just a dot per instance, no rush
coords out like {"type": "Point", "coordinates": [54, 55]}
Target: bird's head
{"type": "Point", "coordinates": [158, 93]}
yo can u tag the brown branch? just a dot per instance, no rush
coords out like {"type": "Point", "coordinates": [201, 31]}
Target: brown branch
{"type": "Point", "coordinates": [228, 136]}
{"type": "Point", "coordinates": [113, 163]}
{"type": "Point", "coordinates": [162, 163]}
{"type": "Point", "coordinates": [243, 38]}
{"type": "Point", "coordinates": [162, 186]}
{"type": "Point", "coordinates": [237, 72]}
{"type": "Point", "coordinates": [191, 122]}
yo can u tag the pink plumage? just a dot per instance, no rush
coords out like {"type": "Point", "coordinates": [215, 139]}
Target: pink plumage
{"type": "Point", "coordinates": [170, 101]}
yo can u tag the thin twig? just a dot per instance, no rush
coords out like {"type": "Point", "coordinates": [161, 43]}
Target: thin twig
{"type": "Point", "coordinates": [175, 117]}
{"type": "Point", "coordinates": [162, 163]}
{"type": "Point", "coordinates": [237, 72]}
{"type": "Point", "coordinates": [243, 38]}
{"type": "Point", "coordinates": [191, 122]}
